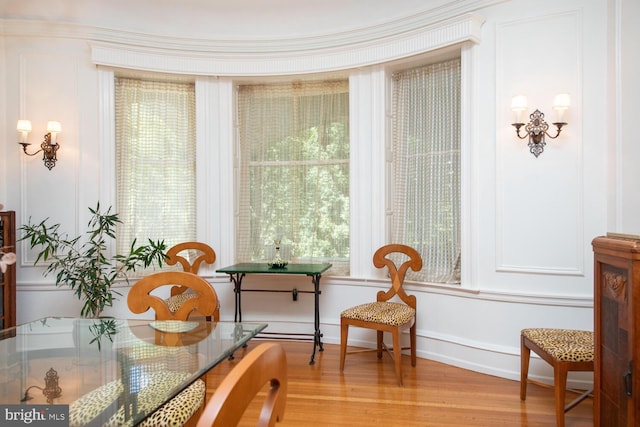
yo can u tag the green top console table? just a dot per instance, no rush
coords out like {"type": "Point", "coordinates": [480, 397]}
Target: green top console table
{"type": "Point", "coordinates": [237, 272]}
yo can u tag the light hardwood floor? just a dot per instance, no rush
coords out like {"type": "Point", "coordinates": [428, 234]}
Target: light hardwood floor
{"type": "Point", "coordinates": [434, 394]}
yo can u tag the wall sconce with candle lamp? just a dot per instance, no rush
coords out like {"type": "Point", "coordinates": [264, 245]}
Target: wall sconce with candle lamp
{"type": "Point", "coordinates": [537, 128]}
{"type": "Point", "coordinates": [49, 145]}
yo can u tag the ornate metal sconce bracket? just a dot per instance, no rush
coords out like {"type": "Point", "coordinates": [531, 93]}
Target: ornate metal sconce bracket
{"type": "Point", "coordinates": [48, 149]}
{"type": "Point", "coordinates": [537, 131]}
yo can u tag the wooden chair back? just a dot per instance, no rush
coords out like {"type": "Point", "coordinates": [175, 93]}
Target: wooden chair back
{"type": "Point", "coordinates": [267, 363]}
{"type": "Point", "coordinates": [414, 262]}
{"type": "Point", "coordinates": [176, 254]}
{"type": "Point", "coordinates": [205, 302]}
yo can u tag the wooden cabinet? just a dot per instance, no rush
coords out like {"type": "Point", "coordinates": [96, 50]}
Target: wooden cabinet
{"type": "Point", "coordinates": [617, 330]}
{"type": "Point", "coordinates": [8, 278]}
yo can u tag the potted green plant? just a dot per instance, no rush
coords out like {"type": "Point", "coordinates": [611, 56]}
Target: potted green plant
{"type": "Point", "coordinates": [84, 265]}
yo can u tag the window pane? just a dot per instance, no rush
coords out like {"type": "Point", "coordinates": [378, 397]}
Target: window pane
{"type": "Point", "coordinates": [294, 172]}
{"type": "Point", "coordinates": [155, 161]}
{"type": "Point", "coordinates": [426, 140]}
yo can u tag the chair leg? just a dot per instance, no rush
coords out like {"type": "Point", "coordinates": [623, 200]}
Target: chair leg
{"type": "Point", "coordinates": [380, 343]}
{"type": "Point", "coordinates": [525, 354]}
{"type": "Point", "coordinates": [344, 333]}
{"type": "Point", "coordinates": [560, 385]}
{"type": "Point", "coordinates": [397, 355]}
{"type": "Point", "coordinates": [412, 337]}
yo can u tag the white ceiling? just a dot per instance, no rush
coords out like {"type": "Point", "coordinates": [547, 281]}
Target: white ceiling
{"type": "Point", "coordinates": [234, 19]}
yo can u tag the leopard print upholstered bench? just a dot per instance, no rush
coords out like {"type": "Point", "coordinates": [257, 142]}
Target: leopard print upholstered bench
{"type": "Point", "coordinates": [565, 350]}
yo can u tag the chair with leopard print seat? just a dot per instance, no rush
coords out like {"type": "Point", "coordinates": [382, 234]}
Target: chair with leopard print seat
{"type": "Point", "coordinates": [204, 302]}
{"type": "Point", "coordinates": [384, 315]}
{"type": "Point", "coordinates": [190, 255]}
{"type": "Point", "coordinates": [565, 350]}
{"type": "Point", "coordinates": [188, 403]}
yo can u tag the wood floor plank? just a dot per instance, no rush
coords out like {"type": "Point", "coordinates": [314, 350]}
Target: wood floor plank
{"type": "Point", "coordinates": [434, 394]}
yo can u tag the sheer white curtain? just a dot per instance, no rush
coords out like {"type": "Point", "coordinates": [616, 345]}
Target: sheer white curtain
{"type": "Point", "coordinates": [155, 161]}
{"type": "Point", "coordinates": [294, 172]}
{"type": "Point", "coordinates": [426, 189]}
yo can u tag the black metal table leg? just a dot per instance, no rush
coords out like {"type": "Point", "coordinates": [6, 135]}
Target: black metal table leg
{"type": "Point", "coordinates": [237, 290]}
{"type": "Point", "coordinates": [317, 335]}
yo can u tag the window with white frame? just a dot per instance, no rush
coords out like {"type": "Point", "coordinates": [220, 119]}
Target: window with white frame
{"type": "Point", "coordinates": [155, 161]}
{"type": "Point", "coordinates": [293, 173]}
{"type": "Point", "coordinates": [426, 163]}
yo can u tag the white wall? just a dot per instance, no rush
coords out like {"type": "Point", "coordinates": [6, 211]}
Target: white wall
{"type": "Point", "coordinates": [529, 221]}
{"type": "Point", "coordinates": [625, 68]}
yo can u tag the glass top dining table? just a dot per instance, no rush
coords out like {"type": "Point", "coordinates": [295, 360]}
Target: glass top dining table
{"type": "Point", "coordinates": [63, 362]}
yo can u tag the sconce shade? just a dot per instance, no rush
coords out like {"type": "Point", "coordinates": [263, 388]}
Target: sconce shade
{"type": "Point", "coordinates": [519, 103]}
{"type": "Point", "coordinates": [561, 104]}
{"type": "Point", "coordinates": [518, 106]}
{"type": "Point", "coordinates": [24, 126]}
{"type": "Point", "coordinates": [562, 101]}
{"type": "Point", "coordinates": [53, 126]}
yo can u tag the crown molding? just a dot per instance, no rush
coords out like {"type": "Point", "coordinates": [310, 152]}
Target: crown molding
{"type": "Point", "coordinates": [447, 25]}
{"type": "Point", "coordinates": [250, 60]}
{"type": "Point", "coordinates": [72, 27]}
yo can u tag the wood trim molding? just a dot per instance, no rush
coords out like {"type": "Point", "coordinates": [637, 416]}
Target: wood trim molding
{"type": "Point", "coordinates": [306, 56]}
{"type": "Point", "coordinates": [431, 29]}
